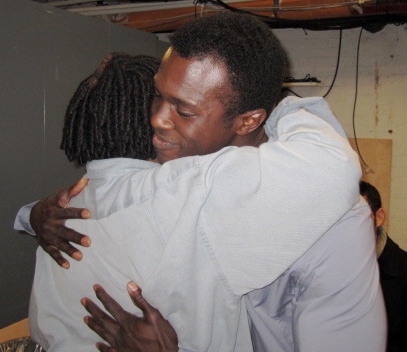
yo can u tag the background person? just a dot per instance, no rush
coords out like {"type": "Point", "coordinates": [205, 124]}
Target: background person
{"type": "Point", "coordinates": [393, 272]}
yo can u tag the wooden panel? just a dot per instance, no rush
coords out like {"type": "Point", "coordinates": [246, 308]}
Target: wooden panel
{"type": "Point", "coordinates": [377, 154]}
{"type": "Point", "coordinates": [311, 10]}
{"type": "Point", "coordinates": [14, 331]}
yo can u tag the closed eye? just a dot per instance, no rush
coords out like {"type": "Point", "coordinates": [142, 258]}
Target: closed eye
{"type": "Point", "coordinates": [185, 114]}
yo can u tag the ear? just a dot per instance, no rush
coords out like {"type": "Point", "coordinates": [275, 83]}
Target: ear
{"type": "Point", "coordinates": [380, 217]}
{"type": "Point", "coordinates": [250, 121]}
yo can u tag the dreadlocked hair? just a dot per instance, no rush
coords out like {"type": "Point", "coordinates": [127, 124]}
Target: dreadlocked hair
{"type": "Point", "coordinates": [252, 54]}
{"type": "Point", "coordinates": [109, 114]}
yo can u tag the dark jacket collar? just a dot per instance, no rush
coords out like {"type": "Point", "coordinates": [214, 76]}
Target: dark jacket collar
{"type": "Point", "coordinates": [389, 259]}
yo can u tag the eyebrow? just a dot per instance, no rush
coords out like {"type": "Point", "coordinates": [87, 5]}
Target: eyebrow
{"type": "Point", "coordinates": [175, 100]}
{"type": "Point", "coordinates": [171, 98]}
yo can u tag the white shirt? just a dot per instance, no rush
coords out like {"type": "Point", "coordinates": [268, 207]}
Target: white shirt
{"type": "Point", "coordinates": [196, 233]}
{"type": "Point", "coordinates": [329, 300]}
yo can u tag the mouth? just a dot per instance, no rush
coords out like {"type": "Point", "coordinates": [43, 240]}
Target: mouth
{"type": "Point", "coordinates": [161, 143]}
{"type": "Point", "coordinates": [165, 149]}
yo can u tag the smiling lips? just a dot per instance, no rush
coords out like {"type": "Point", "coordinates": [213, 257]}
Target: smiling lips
{"type": "Point", "coordinates": [161, 144]}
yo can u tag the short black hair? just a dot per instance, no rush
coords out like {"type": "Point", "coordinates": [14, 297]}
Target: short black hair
{"type": "Point", "coordinates": [109, 113]}
{"type": "Point", "coordinates": [253, 55]}
{"type": "Point", "coordinates": [372, 195]}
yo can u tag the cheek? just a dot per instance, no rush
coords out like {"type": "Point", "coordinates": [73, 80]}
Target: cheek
{"type": "Point", "coordinates": [206, 143]}
{"type": "Point", "coordinates": [192, 145]}
{"type": "Point", "coordinates": [195, 143]}
{"type": "Point", "coordinates": [191, 133]}
{"type": "Point", "coordinates": [201, 137]}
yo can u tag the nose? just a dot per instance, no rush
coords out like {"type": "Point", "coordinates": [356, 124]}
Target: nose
{"type": "Point", "coordinates": [161, 116]}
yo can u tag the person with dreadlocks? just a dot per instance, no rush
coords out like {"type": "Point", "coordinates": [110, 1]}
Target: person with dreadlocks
{"type": "Point", "coordinates": [202, 231]}
{"type": "Point", "coordinates": [109, 114]}
{"type": "Point", "coordinates": [107, 128]}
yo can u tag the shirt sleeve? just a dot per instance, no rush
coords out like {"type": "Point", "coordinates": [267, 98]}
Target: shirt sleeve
{"type": "Point", "coordinates": [266, 206]}
{"type": "Point", "coordinates": [22, 220]}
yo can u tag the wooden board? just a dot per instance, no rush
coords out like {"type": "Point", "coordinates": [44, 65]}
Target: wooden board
{"type": "Point", "coordinates": [14, 331]}
{"type": "Point", "coordinates": [376, 165]}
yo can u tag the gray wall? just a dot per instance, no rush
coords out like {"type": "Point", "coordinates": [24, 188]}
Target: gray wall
{"type": "Point", "coordinates": [45, 53]}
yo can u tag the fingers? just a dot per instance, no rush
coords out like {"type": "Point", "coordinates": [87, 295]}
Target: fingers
{"type": "Point", "coordinates": [68, 213]}
{"type": "Point", "coordinates": [97, 315]}
{"type": "Point", "coordinates": [153, 326]}
{"type": "Point", "coordinates": [59, 242]}
{"type": "Point", "coordinates": [100, 322]}
{"type": "Point", "coordinates": [64, 195]}
{"type": "Point", "coordinates": [56, 207]}
{"type": "Point", "coordinates": [139, 301]}
{"type": "Point", "coordinates": [110, 304]}
{"type": "Point", "coordinates": [105, 348]}
{"type": "Point", "coordinates": [69, 235]}
{"type": "Point", "coordinates": [65, 247]}
{"type": "Point", "coordinates": [55, 253]}
{"type": "Point", "coordinates": [48, 218]}
{"type": "Point", "coordinates": [78, 187]}
{"type": "Point", "coordinates": [44, 214]}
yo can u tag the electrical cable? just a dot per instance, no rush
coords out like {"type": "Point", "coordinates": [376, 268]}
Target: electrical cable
{"type": "Point", "coordinates": [337, 64]}
{"type": "Point", "coordinates": [307, 78]}
{"type": "Point", "coordinates": [355, 100]}
{"type": "Point", "coordinates": [313, 79]}
{"type": "Point", "coordinates": [291, 91]}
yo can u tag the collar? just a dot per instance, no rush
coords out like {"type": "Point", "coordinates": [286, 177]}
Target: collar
{"type": "Point", "coordinates": [389, 258]}
{"type": "Point", "coordinates": [381, 241]}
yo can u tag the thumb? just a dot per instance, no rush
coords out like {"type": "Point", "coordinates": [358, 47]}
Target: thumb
{"type": "Point", "coordinates": [78, 187]}
{"type": "Point", "coordinates": [136, 296]}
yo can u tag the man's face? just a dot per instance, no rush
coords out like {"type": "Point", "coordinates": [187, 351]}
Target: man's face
{"type": "Point", "coordinates": [187, 111]}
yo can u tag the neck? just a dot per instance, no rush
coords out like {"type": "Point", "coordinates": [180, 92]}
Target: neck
{"type": "Point", "coordinates": [381, 240]}
{"type": "Point", "coordinates": [254, 139]}
{"type": "Point", "coordinates": [261, 138]}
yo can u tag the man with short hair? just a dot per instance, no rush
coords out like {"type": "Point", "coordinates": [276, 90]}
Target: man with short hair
{"type": "Point", "coordinates": [234, 221]}
{"type": "Point", "coordinates": [393, 272]}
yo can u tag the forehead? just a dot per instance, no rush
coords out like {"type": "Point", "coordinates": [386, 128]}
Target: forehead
{"type": "Point", "coordinates": [191, 79]}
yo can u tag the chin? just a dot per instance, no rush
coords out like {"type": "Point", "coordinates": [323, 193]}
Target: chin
{"type": "Point", "coordinates": [162, 158]}
{"type": "Point", "coordinates": [168, 154]}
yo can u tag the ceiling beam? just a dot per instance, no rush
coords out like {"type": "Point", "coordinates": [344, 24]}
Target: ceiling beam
{"type": "Point", "coordinates": [167, 20]}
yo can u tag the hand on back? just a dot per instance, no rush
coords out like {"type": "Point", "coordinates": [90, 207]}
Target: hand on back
{"type": "Point", "coordinates": [126, 332]}
{"type": "Point", "coordinates": [48, 218]}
